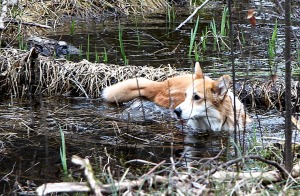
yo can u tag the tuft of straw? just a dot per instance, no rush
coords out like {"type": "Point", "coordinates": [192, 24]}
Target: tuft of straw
{"type": "Point", "coordinates": [24, 72]}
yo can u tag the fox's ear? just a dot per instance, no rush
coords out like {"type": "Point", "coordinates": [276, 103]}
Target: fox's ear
{"type": "Point", "coordinates": [222, 85]}
{"type": "Point", "coordinates": [198, 71]}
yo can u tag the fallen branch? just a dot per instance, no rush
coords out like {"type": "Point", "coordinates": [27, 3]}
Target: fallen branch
{"type": "Point", "coordinates": [105, 189]}
{"type": "Point", "coordinates": [271, 176]}
{"type": "Point", "coordinates": [181, 182]}
{"type": "Point", "coordinates": [88, 172]}
{"type": "Point", "coordinates": [191, 16]}
{"type": "Point", "coordinates": [63, 187]}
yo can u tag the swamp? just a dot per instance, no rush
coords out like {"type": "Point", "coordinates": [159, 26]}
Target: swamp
{"type": "Point", "coordinates": [59, 137]}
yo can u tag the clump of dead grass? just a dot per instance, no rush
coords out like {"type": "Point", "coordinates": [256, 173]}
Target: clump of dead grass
{"type": "Point", "coordinates": [28, 72]}
{"type": "Point", "coordinates": [45, 11]}
{"type": "Point", "coordinates": [30, 17]}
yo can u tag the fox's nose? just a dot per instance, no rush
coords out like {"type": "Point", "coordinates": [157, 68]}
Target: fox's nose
{"type": "Point", "coordinates": [178, 112]}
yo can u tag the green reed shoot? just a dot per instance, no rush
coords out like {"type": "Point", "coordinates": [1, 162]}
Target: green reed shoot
{"type": "Point", "coordinates": [122, 45]}
{"type": "Point", "coordinates": [193, 37]}
{"type": "Point", "coordinates": [204, 39]}
{"type": "Point", "coordinates": [173, 13]}
{"type": "Point", "coordinates": [72, 27]}
{"type": "Point", "coordinates": [196, 52]}
{"type": "Point", "coordinates": [224, 21]}
{"type": "Point", "coordinates": [272, 42]}
{"type": "Point", "coordinates": [22, 46]}
{"type": "Point", "coordinates": [170, 14]}
{"type": "Point", "coordinates": [88, 48]}
{"type": "Point", "coordinates": [213, 27]}
{"type": "Point", "coordinates": [97, 57]}
{"type": "Point", "coordinates": [63, 154]}
{"type": "Point", "coordinates": [243, 38]}
{"type": "Point", "coordinates": [104, 56]}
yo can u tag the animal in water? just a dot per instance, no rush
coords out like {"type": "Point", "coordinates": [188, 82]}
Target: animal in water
{"type": "Point", "coordinates": [202, 102]}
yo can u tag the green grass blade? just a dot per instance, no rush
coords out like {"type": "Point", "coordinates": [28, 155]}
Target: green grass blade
{"type": "Point", "coordinates": [223, 22]}
{"type": "Point", "coordinates": [63, 154]}
{"type": "Point", "coordinates": [193, 37]}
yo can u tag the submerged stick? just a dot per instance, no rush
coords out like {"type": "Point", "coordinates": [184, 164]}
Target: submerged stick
{"type": "Point", "coordinates": [191, 16]}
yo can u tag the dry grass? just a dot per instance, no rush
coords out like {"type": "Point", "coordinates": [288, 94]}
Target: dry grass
{"type": "Point", "coordinates": [40, 11]}
{"type": "Point", "coordinates": [33, 16]}
{"type": "Point", "coordinates": [23, 72]}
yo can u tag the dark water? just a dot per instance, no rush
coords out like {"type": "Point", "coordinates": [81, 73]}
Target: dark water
{"type": "Point", "coordinates": [30, 138]}
{"type": "Point", "coordinates": [153, 41]}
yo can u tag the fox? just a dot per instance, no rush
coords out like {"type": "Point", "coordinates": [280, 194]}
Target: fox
{"type": "Point", "coordinates": [203, 103]}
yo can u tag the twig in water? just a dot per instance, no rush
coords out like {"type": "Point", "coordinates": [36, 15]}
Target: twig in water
{"type": "Point", "coordinates": [89, 174]}
{"type": "Point", "coordinates": [191, 16]}
{"type": "Point", "coordinates": [154, 168]}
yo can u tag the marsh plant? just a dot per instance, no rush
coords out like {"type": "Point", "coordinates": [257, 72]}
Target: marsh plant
{"type": "Point", "coordinates": [170, 16]}
{"type": "Point", "coordinates": [272, 42]}
{"type": "Point", "coordinates": [204, 39]}
{"type": "Point", "coordinates": [224, 22]}
{"type": "Point", "coordinates": [97, 58]}
{"type": "Point", "coordinates": [224, 26]}
{"type": "Point", "coordinates": [63, 153]}
{"type": "Point", "coordinates": [218, 34]}
{"type": "Point", "coordinates": [21, 43]}
{"type": "Point", "coordinates": [122, 45]}
{"type": "Point", "coordinates": [193, 37]}
{"type": "Point", "coordinates": [72, 27]}
{"type": "Point", "coordinates": [222, 33]}
{"type": "Point", "coordinates": [213, 27]}
{"type": "Point", "coordinates": [104, 56]}
{"type": "Point", "coordinates": [243, 38]}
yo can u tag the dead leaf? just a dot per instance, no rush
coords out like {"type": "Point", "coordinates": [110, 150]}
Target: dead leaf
{"type": "Point", "coordinates": [251, 17]}
{"type": "Point", "coordinates": [250, 13]}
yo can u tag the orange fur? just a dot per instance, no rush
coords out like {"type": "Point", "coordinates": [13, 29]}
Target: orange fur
{"type": "Point", "coordinates": [209, 105]}
{"type": "Point", "coordinates": [203, 102]}
{"type": "Point", "coordinates": [168, 93]}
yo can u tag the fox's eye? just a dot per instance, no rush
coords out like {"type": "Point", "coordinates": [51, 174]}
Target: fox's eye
{"type": "Point", "coordinates": [196, 97]}
{"type": "Point", "coordinates": [185, 94]}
